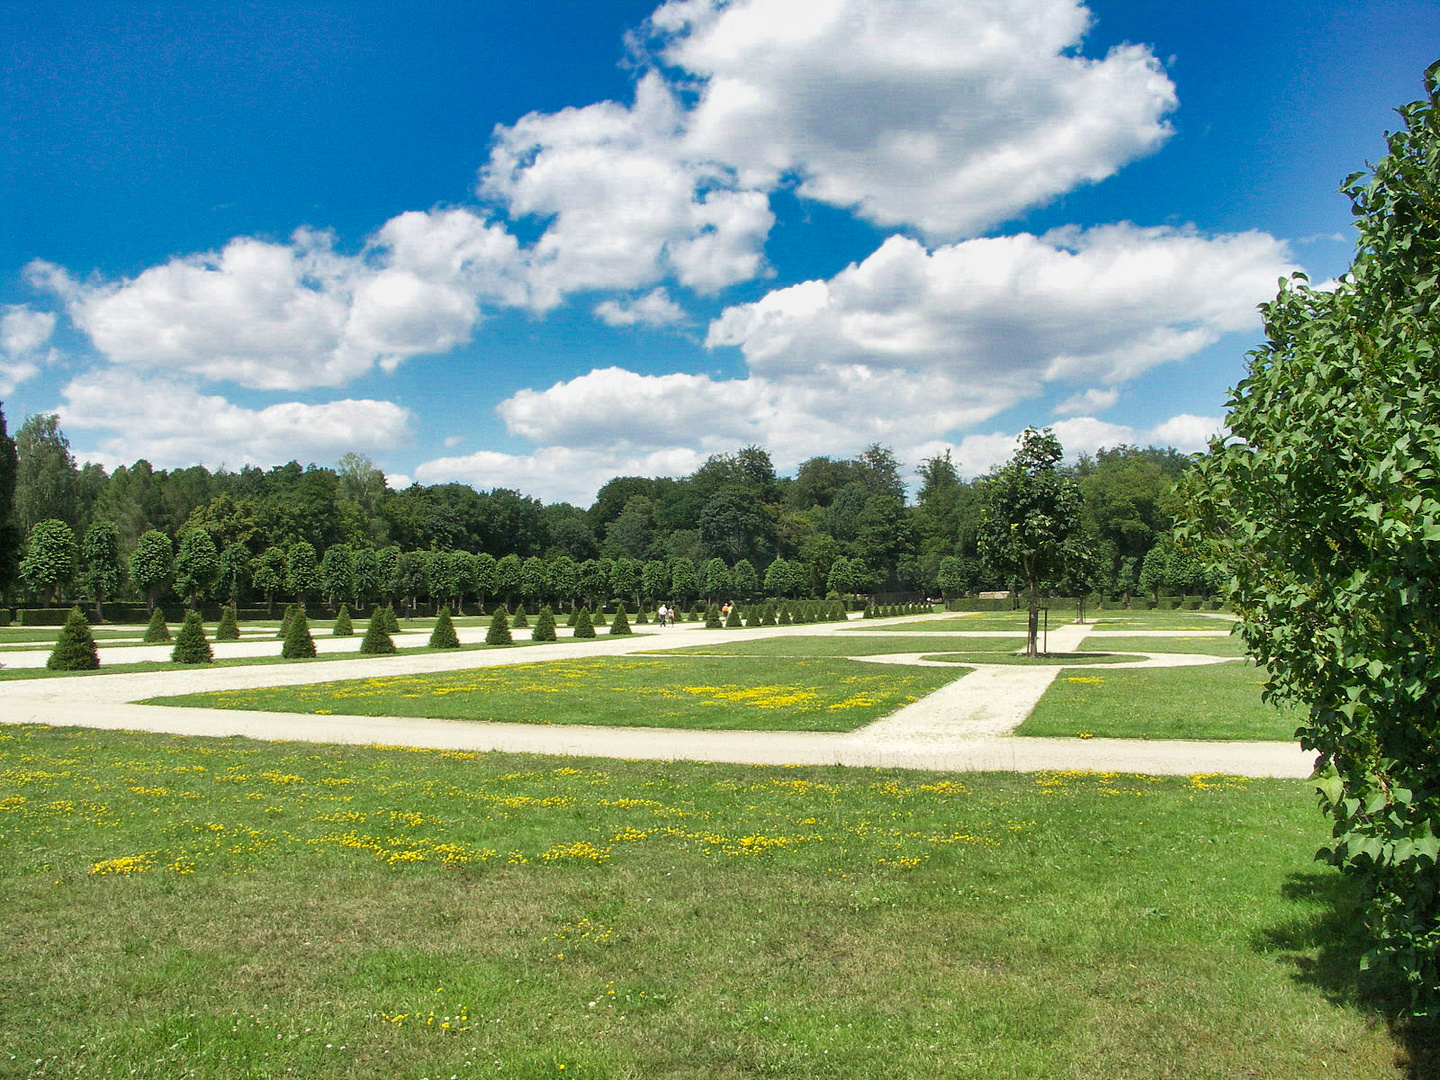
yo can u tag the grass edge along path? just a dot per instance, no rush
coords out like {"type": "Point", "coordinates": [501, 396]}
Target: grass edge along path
{"type": "Point", "coordinates": [694, 692]}
{"type": "Point", "coordinates": [468, 914]}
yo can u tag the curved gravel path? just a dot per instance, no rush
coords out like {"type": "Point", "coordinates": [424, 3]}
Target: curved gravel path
{"type": "Point", "coordinates": [964, 726]}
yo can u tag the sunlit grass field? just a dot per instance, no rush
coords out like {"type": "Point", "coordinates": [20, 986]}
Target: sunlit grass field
{"type": "Point", "coordinates": [231, 909]}
{"type": "Point", "coordinates": [1216, 701]}
{"type": "Point", "coordinates": [702, 692]}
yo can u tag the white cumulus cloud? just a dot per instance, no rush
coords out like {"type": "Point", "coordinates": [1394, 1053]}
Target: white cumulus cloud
{"type": "Point", "coordinates": [171, 423]}
{"type": "Point", "coordinates": [286, 316]}
{"type": "Point", "coordinates": [24, 343]}
{"type": "Point", "coordinates": [948, 115]}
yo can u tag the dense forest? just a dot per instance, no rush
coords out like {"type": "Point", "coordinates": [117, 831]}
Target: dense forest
{"type": "Point", "coordinates": [733, 528]}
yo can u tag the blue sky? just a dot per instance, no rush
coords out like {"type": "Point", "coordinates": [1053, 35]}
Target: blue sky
{"type": "Point", "coordinates": [541, 245]}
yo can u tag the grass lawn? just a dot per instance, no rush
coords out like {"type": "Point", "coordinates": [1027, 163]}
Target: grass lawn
{"type": "Point", "coordinates": [842, 645]}
{"type": "Point", "coordinates": [1216, 701]}
{"type": "Point", "coordinates": [704, 692]}
{"type": "Point", "coordinates": [234, 661]}
{"type": "Point", "coordinates": [1205, 646]}
{"type": "Point", "coordinates": [232, 909]}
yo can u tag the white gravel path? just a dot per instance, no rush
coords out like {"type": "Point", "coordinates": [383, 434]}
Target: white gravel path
{"type": "Point", "coordinates": [964, 726]}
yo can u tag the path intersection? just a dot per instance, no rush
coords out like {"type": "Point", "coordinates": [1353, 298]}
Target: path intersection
{"type": "Point", "coordinates": [966, 725]}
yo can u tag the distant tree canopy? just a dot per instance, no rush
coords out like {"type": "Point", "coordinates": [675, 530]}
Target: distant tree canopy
{"type": "Point", "coordinates": [342, 534]}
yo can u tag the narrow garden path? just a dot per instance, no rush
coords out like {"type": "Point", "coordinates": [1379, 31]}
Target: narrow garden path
{"type": "Point", "coordinates": [963, 726]}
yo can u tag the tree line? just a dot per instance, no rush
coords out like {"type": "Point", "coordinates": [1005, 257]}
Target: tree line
{"type": "Point", "coordinates": [734, 528]}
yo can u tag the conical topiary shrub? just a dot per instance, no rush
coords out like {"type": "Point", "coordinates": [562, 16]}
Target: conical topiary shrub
{"type": "Point", "coordinates": [75, 647]}
{"type": "Point", "coordinates": [620, 624]}
{"type": "Point", "coordinates": [598, 618]}
{"type": "Point", "coordinates": [574, 615]}
{"type": "Point", "coordinates": [229, 628]}
{"type": "Point", "coordinates": [285, 621]}
{"type": "Point", "coordinates": [190, 644]}
{"type": "Point", "coordinates": [520, 622]}
{"type": "Point", "coordinates": [640, 619]}
{"type": "Point", "coordinates": [712, 618]}
{"type": "Point", "coordinates": [157, 630]}
{"type": "Point", "coordinates": [443, 636]}
{"type": "Point", "coordinates": [376, 641]}
{"type": "Point", "coordinates": [786, 618]}
{"type": "Point", "coordinates": [298, 642]}
{"type": "Point", "coordinates": [499, 632]}
{"type": "Point", "coordinates": [392, 624]}
{"type": "Point", "coordinates": [544, 629]}
{"type": "Point", "coordinates": [584, 628]}
{"type": "Point", "coordinates": [733, 618]}
{"type": "Point", "coordinates": [343, 626]}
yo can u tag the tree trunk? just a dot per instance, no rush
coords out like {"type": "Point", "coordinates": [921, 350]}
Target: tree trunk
{"type": "Point", "coordinates": [1032, 649]}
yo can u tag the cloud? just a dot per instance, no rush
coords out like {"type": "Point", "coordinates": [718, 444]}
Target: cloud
{"type": "Point", "coordinates": [1091, 400]}
{"type": "Point", "coordinates": [948, 115]}
{"type": "Point", "coordinates": [289, 316]}
{"type": "Point", "coordinates": [1099, 305]}
{"type": "Point", "coordinates": [978, 454]}
{"type": "Point", "coordinates": [625, 204]}
{"type": "Point", "coordinates": [172, 424]}
{"type": "Point", "coordinates": [655, 308]}
{"type": "Point", "coordinates": [558, 474]}
{"type": "Point", "coordinates": [24, 335]}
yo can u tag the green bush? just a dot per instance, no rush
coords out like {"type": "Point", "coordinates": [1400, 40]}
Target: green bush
{"type": "Point", "coordinates": [444, 636]}
{"type": "Point", "coordinates": [732, 617]}
{"type": "Point", "coordinates": [376, 641]}
{"type": "Point", "coordinates": [285, 620]}
{"type": "Point", "coordinates": [712, 618]}
{"type": "Point", "coordinates": [75, 647]}
{"type": "Point", "coordinates": [499, 632]}
{"type": "Point", "coordinates": [343, 626]}
{"type": "Point", "coordinates": [299, 644]}
{"type": "Point", "coordinates": [584, 628]}
{"type": "Point", "coordinates": [190, 644]}
{"type": "Point", "coordinates": [392, 624]}
{"type": "Point", "coordinates": [620, 624]}
{"type": "Point", "coordinates": [157, 631]}
{"type": "Point", "coordinates": [520, 622]}
{"type": "Point", "coordinates": [229, 628]}
{"type": "Point", "coordinates": [544, 629]}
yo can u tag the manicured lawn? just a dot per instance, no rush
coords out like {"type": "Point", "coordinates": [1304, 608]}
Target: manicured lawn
{"type": "Point", "coordinates": [231, 909]}
{"type": "Point", "coordinates": [1215, 701]}
{"type": "Point", "coordinates": [1204, 646]}
{"type": "Point", "coordinates": [706, 692]}
{"type": "Point", "coordinates": [237, 661]}
{"type": "Point", "coordinates": [843, 645]}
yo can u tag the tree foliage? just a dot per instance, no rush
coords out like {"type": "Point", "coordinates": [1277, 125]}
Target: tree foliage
{"type": "Point", "coordinates": [191, 647]}
{"type": "Point", "coordinates": [1031, 516]}
{"type": "Point", "coordinates": [49, 559]}
{"type": "Point", "coordinates": [1325, 511]}
{"type": "Point", "coordinates": [75, 647]}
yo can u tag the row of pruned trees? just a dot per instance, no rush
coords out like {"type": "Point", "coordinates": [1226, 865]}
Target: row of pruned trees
{"type": "Point", "coordinates": [57, 566]}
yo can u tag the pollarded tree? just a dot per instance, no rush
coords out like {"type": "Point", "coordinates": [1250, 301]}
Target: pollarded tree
{"type": "Point", "coordinates": [337, 574]}
{"type": "Point", "coordinates": [684, 581]}
{"type": "Point", "coordinates": [100, 556]}
{"type": "Point", "coordinates": [534, 580]}
{"type": "Point", "coordinates": [267, 573]}
{"type": "Point", "coordinates": [564, 579]}
{"type": "Point", "coordinates": [745, 579]}
{"type": "Point", "coordinates": [1325, 510]}
{"type": "Point", "coordinates": [1030, 519]}
{"type": "Point", "coordinates": [234, 571]}
{"type": "Point", "coordinates": [197, 566]}
{"type": "Point", "coordinates": [484, 578]}
{"type": "Point", "coordinates": [654, 581]}
{"type": "Point", "coordinates": [716, 583]}
{"type": "Point", "coordinates": [302, 570]}
{"type": "Point", "coordinates": [49, 561]}
{"type": "Point", "coordinates": [508, 571]}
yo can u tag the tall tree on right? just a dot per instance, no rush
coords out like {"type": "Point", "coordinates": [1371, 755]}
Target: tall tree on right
{"type": "Point", "coordinates": [1030, 519]}
{"type": "Point", "coordinates": [11, 534]}
{"type": "Point", "coordinates": [1324, 509]}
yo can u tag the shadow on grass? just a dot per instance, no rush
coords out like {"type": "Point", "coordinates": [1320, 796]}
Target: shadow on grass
{"type": "Point", "coordinates": [1323, 948]}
